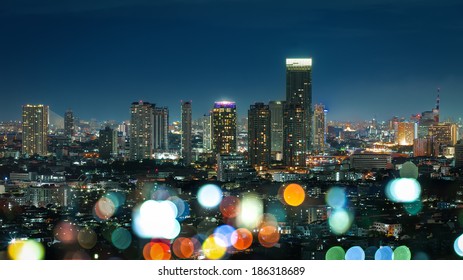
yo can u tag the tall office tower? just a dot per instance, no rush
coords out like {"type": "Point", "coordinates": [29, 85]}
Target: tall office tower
{"type": "Point", "coordinates": [459, 155]}
{"type": "Point", "coordinates": [186, 132]}
{"type": "Point", "coordinates": [35, 129]}
{"type": "Point", "coordinates": [223, 120]}
{"type": "Point", "coordinates": [436, 111]}
{"type": "Point", "coordinates": [69, 128]}
{"type": "Point", "coordinates": [297, 118]}
{"type": "Point", "coordinates": [276, 115]}
{"type": "Point", "coordinates": [259, 137]}
{"type": "Point", "coordinates": [319, 127]}
{"type": "Point", "coordinates": [142, 130]}
{"type": "Point", "coordinates": [444, 133]}
{"type": "Point", "coordinates": [405, 133]}
{"type": "Point", "coordinates": [294, 154]}
{"type": "Point", "coordinates": [425, 147]}
{"type": "Point", "coordinates": [161, 129]}
{"type": "Point", "coordinates": [108, 143]}
{"type": "Point", "coordinates": [207, 132]}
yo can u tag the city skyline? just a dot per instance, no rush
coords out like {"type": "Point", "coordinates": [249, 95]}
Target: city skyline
{"type": "Point", "coordinates": [87, 55]}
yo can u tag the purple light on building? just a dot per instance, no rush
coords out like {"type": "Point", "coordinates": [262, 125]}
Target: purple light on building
{"type": "Point", "coordinates": [224, 104]}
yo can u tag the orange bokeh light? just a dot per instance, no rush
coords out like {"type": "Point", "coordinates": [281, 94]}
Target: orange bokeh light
{"type": "Point", "coordinates": [230, 206]}
{"type": "Point", "coordinates": [183, 248]}
{"type": "Point", "coordinates": [294, 194]}
{"type": "Point", "coordinates": [156, 251]}
{"type": "Point", "coordinates": [268, 236]}
{"type": "Point", "coordinates": [241, 239]}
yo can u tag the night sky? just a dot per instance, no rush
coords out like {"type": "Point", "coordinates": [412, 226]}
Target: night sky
{"type": "Point", "coordinates": [374, 57]}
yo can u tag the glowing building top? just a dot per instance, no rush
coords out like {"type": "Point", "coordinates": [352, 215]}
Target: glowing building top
{"type": "Point", "coordinates": [298, 63]}
{"type": "Point", "coordinates": [224, 104]}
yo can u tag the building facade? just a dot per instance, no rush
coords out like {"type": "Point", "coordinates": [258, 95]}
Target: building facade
{"type": "Point", "coordinates": [35, 129]}
{"type": "Point", "coordinates": [69, 128]}
{"type": "Point", "coordinates": [223, 123]}
{"type": "Point", "coordinates": [142, 130]}
{"type": "Point", "coordinates": [276, 134]}
{"type": "Point", "coordinates": [259, 136]}
{"type": "Point", "coordinates": [186, 133]}
{"type": "Point", "coordinates": [319, 127]}
{"type": "Point", "coordinates": [108, 143]}
{"type": "Point", "coordinates": [297, 120]}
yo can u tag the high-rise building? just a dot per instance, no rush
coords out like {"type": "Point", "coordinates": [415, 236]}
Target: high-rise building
{"type": "Point", "coordinates": [142, 130]}
{"type": "Point", "coordinates": [405, 133]}
{"type": "Point", "coordinates": [161, 129]}
{"type": "Point", "coordinates": [459, 155]}
{"type": "Point", "coordinates": [444, 133]}
{"type": "Point", "coordinates": [186, 132]}
{"type": "Point", "coordinates": [319, 127]}
{"type": "Point", "coordinates": [207, 132]}
{"type": "Point", "coordinates": [35, 129]}
{"type": "Point", "coordinates": [276, 115]}
{"type": "Point", "coordinates": [69, 128]}
{"type": "Point", "coordinates": [297, 118]}
{"type": "Point", "coordinates": [259, 137]}
{"type": "Point", "coordinates": [108, 143]}
{"type": "Point", "coordinates": [294, 154]}
{"type": "Point", "coordinates": [223, 120]}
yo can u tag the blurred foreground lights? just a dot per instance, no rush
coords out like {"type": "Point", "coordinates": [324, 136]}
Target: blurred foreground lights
{"type": "Point", "coordinates": [403, 190]}
{"type": "Point", "coordinates": [336, 197]}
{"type": "Point", "coordinates": [87, 238]}
{"type": "Point", "coordinates": [65, 232]}
{"type": "Point", "coordinates": [209, 196]}
{"type": "Point", "coordinates": [251, 211]}
{"type": "Point", "coordinates": [293, 194]}
{"type": "Point", "coordinates": [340, 221]}
{"type": "Point", "coordinates": [214, 247]}
{"type": "Point", "coordinates": [402, 253]}
{"type": "Point", "coordinates": [105, 208]}
{"type": "Point", "coordinates": [384, 254]}
{"type": "Point", "coordinates": [26, 250]}
{"type": "Point", "coordinates": [409, 170]}
{"type": "Point", "coordinates": [183, 248]}
{"type": "Point", "coordinates": [241, 239]}
{"type": "Point", "coordinates": [268, 236]}
{"type": "Point", "coordinates": [225, 233]}
{"type": "Point", "coordinates": [230, 206]}
{"type": "Point", "coordinates": [121, 238]}
{"type": "Point", "coordinates": [355, 253]}
{"type": "Point", "coordinates": [458, 245]}
{"type": "Point", "coordinates": [156, 219]}
{"type": "Point", "coordinates": [157, 251]}
{"type": "Point", "coordinates": [335, 253]}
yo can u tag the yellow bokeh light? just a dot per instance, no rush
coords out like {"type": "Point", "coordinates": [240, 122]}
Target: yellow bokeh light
{"type": "Point", "coordinates": [213, 249]}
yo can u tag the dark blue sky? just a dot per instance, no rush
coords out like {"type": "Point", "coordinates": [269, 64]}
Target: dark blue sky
{"type": "Point", "coordinates": [371, 57]}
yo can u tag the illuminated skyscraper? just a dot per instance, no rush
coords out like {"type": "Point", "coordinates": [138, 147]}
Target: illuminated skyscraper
{"type": "Point", "coordinates": [297, 118]}
{"type": "Point", "coordinates": [459, 155]}
{"type": "Point", "coordinates": [405, 133]}
{"type": "Point", "coordinates": [69, 128]}
{"type": "Point", "coordinates": [207, 133]}
{"type": "Point", "coordinates": [161, 129]}
{"type": "Point", "coordinates": [444, 133]}
{"type": "Point", "coordinates": [108, 143]}
{"type": "Point", "coordinates": [259, 137]}
{"type": "Point", "coordinates": [142, 130]}
{"type": "Point", "coordinates": [276, 115]}
{"type": "Point", "coordinates": [186, 132]}
{"type": "Point", "coordinates": [223, 120]}
{"type": "Point", "coordinates": [35, 130]}
{"type": "Point", "coordinates": [319, 127]}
